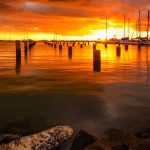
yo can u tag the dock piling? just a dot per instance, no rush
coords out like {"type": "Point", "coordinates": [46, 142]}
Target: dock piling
{"type": "Point", "coordinates": [126, 47]}
{"type": "Point", "coordinates": [70, 52]}
{"type": "Point", "coordinates": [97, 60]}
{"type": "Point", "coordinates": [94, 47]}
{"type": "Point", "coordinates": [60, 47]}
{"type": "Point", "coordinates": [18, 56]}
{"type": "Point", "coordinates": [118, 51]}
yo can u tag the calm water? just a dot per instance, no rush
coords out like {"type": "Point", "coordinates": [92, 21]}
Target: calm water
{"type": "Point", "coordinates": [47, 88]}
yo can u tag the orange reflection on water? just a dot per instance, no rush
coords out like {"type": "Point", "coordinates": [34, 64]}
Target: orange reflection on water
{"type": "Point", "coordinates": [45, 63]}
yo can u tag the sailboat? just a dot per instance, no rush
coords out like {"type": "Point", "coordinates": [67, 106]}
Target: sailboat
{"type": "Point", "coordinates": [146, 41]}
{"type": "Point", "coordinates": [141, 40]}
{"type": "Point", "coordinates": [125, 40]}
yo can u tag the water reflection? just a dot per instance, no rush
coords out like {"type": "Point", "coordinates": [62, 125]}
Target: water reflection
{"type": "Point", "coordinates": [44, 57]}
{"type": "Point", "coordinates": [55, 90]}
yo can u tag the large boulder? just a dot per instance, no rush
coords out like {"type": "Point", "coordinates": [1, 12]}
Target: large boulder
{"type": "Point", "coordinates": [82, 140]}
{"type": "Point", "coordinates": [47, 140]}
{"type": "Point", "coordinates": [116, 139]}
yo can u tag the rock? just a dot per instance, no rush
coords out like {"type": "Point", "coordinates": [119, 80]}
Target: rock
{"type": "Point", "coordinates": [82, 140]}
{"type": "Point", "coordinates": [119, 137]}
{"type": "Point", "coordinates": [116, 139]}
{"type": "Point", "coordinates": [47, 140]}
{"type": "Point", "coordinates": [142, 145]}
{"type": "Point", "coordinates": [7, 138]}
{"type": "Point", "coordinates": [95, 146]}
{"type": "Point", "coordinates": [144, 134]}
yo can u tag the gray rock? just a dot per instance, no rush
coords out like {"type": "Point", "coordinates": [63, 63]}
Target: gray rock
{"type": "Point", "coordinates": [46, 140]}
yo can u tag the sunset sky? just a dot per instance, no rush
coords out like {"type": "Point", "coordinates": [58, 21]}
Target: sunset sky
{"type": "Point", "coordinates": [68, 19]}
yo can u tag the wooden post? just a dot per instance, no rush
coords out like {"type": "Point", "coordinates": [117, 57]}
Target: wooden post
{"type": "Point", "coordinates": [26, 45]}
{"type": "Point", "coordinates": [32, 43]}
{"type": "Point", "coordinates": [105, 44]}
{"type": "Point", "coordinates": [18, 57]}
{"type": "Point", "coordinates": [55, 45]}
{"type": "Point", "coordinates": [118, 51]}
{"type": "Point", "coordinates": [126, 47]}
{"type": "Point", "coordinates": [139, 45]}
{"type": "Point", "coordinates": [70, 52]}
{"type": "Point", "coordinates": [81, 45]}
{"type": "Point", "coordinates": [26, 48]}
{"type": "Point", "coordinates": [73, 44]}
{"type": "Point", "coordinates": [94, 47]}
{"type": "Point", "coordinates": [97, 60]}
{"type": "Point", "coordinates": [18, 45]}
{"type": "Point", "coordinates": [60, 47]}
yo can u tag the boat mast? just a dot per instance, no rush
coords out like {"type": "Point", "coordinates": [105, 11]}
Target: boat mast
{"type": "Point", "coordinates": [124, 26]}
{"type": "Point", "coordinates": [136, 29]}
{"type": "Point", "coordinates": [139, 24]}
{"type": "Point", "coordinates": [128, 28]}
{"type": "Point", "coordinates": [106, 29]}
{"type": "Point", "coordinates": [148, 25]}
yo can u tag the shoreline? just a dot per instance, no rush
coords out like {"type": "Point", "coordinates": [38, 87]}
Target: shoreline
{"type": "Point", "coordinates": [66, 138]}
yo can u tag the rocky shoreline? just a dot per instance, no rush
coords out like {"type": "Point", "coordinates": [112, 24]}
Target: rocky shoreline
{"type": "Point", "coordinates": [64, 138]}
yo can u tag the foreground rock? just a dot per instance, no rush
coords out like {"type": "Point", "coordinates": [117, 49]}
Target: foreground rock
{"type": "Point", "coordinates": [46, 140]}
{"type": "Point", "coordinates": [82, 140]}
{"type": "Point", "coordinates": [7, 138]}
{"type": "Point", "coordinates": [144, 134]}
{"type": "Point", "coordinates": [116, 139]}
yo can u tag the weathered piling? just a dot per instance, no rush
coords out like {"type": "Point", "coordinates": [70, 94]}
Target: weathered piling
{"type": "Point", "coordinates": [55, 45]}
{"type": "Point", "coordinates": [139, 45]}
{"type": "Point", "coordinates": [73, 44]}
{"type": "Point", "coordinates": [118, 51]}
{"type": "Point", "coordinates": [70, 52]}
{"type": "Point", "coordinates": [26, 46]}
{"type": "Point", "coordinates": [105, 45]}
{"type": "Point", "coordinates": [126, 47]}
{"type": "Point", "coordinates": [81, 45]}
{"type": "Point", "coordinates": [18, 56]}
{"type": "Point", "coordinates": [18, 45]}
{"type": "Point", "coordinates": [94, 47]}
{"type": "Point", "coordinates": [97, 60]}
{"type": "Point", "coordinates": [84, 44]}
{"type": "Point", "coordinates": [60, 47]}
{"type": "Point", "coordinates": [31, 44]}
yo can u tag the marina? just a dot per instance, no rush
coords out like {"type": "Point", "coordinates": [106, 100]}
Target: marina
{"type": "Point", "coordinates": [75, 75]}
{"type": "Point", "coordinates": [69, 88]}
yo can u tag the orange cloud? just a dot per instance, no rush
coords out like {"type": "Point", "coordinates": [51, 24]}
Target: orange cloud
{"type": "Point", "coordinates": [68, 17]}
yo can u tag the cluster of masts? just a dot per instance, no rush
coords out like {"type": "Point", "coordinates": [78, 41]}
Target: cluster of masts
{"type": "Point", "coordinates": [138, 28]}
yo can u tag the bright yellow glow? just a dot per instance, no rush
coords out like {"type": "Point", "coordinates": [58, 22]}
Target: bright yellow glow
{"type": "Point", "coordinates": [95, 35]}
